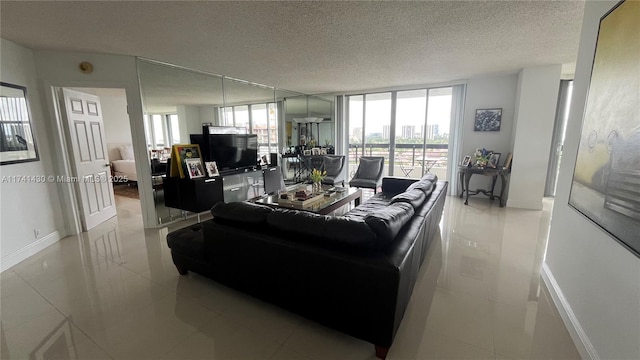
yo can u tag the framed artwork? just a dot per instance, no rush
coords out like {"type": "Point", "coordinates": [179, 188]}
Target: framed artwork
{"type": "Point", "coordinates": [315, 151]}
{"type": "Point", "coordinates": [306, 152]}
{"type": "Point", "coordinates": [194, 168]}
{"type": "Point", "coordinates": [606, 178]}
{"type": "Point", "coordinates": [17, 143]}
{"type": "Point", "coordinates": [494, 160]}
{"type": "Point", "coordinates": [488, 120]}
{"type": "Point", "coordinates": [212, 168]}
{"type": "Point", "coordinates": [323, 151]}
{"type": "Point", "coordinates": [180, 153]}
{"type": "Point", "coordinates": [466, 161]}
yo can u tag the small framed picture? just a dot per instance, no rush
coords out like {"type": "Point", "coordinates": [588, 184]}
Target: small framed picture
{"type": "Point", "coordinates": [323, 151]}
{"type": "Point", "coordinates": [212, 168]}
{"type": "Point", "coordinates": [306, 152]}
{"type": "Point", "coordinates": [488, 120]}
{"type": "Point", "coordinates": [494, 159]}
{"type": "Point", "coordinates": [466, 160]}
{"type": "Point", "coordinates": [315, 151]}
{"type": "Point", "coordinates": [194, 167]}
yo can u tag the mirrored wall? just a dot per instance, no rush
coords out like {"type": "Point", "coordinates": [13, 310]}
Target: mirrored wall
{"type": "Point", "coordinates": [310, 119]}
{"type": "Point", "coordinates": [178, 102]}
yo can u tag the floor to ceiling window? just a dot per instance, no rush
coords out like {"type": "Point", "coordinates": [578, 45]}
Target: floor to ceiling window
{"type": "Point", "coordinates": [241, 117]}
{"type": "Point", "coordinates": [260, 119]}
{"type": "Point", "coordinates": [377, 126]}
{"type": "Point", "coordinates": [437, 131]}
{"type": "Point", "coordinates": [355, 106]}
{"type": "Point", "coordinates": [414, 139]}
{"type": "Point", "coordinates": [411, 107]}
{"type": "Point", "coordinates": [161, 130]}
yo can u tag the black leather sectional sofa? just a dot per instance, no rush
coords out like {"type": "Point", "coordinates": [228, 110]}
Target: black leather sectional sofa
{"type": "Point", "coordinates": [354, 273]}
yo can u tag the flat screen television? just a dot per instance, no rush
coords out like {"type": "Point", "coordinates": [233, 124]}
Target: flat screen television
{"type": "Point", "coordinates": [230, 151]}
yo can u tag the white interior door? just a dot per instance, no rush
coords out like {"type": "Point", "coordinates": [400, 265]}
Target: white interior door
{"type": "Point", "coordinates": [93, 175]}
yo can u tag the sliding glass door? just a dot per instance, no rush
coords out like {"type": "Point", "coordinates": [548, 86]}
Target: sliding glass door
{"type": "Point", "coordinates": [437, 132]}
{"type": "Point", "coordinates": [377, 127]}
{"type": "Point", "coordinates": [409, 128]}
{"type": "Point", "coordinates": [355, 112]}
{"type": "Point", "coordinates": [411, 107]}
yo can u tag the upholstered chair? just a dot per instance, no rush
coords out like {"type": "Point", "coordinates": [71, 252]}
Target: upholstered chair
{"type": "Point", "coordinates": [336, 171]}
{"type": "Point", "coordinates": [369, 173]}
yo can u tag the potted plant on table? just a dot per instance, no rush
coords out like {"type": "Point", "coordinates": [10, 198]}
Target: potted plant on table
{"type": "Point", "coordinates": [481, 157]}
{"type": "Point", "coordinates": [316, 177]}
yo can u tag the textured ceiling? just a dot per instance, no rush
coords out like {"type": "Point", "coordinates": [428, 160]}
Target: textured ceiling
{"type": "Point", "coordinates": [312, 47]}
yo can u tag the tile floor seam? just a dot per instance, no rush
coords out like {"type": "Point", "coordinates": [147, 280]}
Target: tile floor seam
{"type": "Point", "coordinates": [90, 338]}
{"type": "Point", "coordinates": [42, 296]}
{"type": "Point", "coordinates": [179, 343]}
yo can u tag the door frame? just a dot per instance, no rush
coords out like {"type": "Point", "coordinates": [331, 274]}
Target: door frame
{"type": "Point", "coordinates": [62, 148]}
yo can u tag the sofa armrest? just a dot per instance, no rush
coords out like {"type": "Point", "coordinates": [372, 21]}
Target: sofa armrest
{"type": "Point", "coordinates": [395, 185]}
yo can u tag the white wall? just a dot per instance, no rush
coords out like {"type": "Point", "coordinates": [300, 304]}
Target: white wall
{"type": "Point", "coordinates": [114, 114]}
{"type": "Point", "coordinates": [535, 115]}
{"type": "Point", "coordinates": [189, 119]}
{"type": "Point", "coordinates": [27, 206]}
{"type": "Point", "coordinates": [208, 114]}
{"type": "Point", "coordinates": [597, 278]}
{"type": "Point", "coordinates": [488, 93]}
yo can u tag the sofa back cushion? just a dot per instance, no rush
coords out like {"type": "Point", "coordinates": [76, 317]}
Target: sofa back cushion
{"type": "Point", "coordinates": [126, 152]}
{"type": "Point", "coordinates": [415, 198]}
{"type": "Point", "coordinates": [240, 212]}
{"type": "Point", "coordinates": [388, 221]}
{"type": "Point", "coordinates": [301, 223]}
{"type": "Point", "coordinates": [431, 177]}
{"type": "Point", "coordinates": [326, 230]}
{"type": "Point", "coordinates": [424, 185]}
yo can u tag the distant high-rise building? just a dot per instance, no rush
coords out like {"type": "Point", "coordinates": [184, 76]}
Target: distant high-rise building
{"type": "Point", "coordinates": [386, 132]}
{"type": "Point", "coordinates": [432, 131]}
{"type": "Point", "coordinates": [356, 133]}
{"type": "Point", "coordinates": [408, 131]}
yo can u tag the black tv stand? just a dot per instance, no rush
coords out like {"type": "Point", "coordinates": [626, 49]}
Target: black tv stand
{"type": "Point", "coordinates": [199, 195]}
{"type": "Point", "coordinates": [238, 170]}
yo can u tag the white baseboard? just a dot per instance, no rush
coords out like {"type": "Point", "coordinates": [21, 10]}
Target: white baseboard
{"type": "Point", "coordinates": [29, 250]}
{"type": "Point", "coordinates": [580, 338]}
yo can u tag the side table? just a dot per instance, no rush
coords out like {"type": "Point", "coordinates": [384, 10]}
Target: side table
{"type": "Point", "coordinates": [465, 174]}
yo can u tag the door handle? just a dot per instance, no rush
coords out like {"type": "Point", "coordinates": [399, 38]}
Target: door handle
{"type": "Point", "coordinates": [106, 165]}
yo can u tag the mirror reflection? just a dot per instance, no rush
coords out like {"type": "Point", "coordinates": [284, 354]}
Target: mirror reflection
{"type": "Point", "coordinates": [311, 120]}
{"type": "Point", "coordinates": [178, 102]}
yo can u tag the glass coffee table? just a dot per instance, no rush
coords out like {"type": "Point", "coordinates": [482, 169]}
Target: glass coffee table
{"type": "Point", "coordinates": [322, 204]}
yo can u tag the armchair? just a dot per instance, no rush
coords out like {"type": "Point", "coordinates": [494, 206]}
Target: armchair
{"type": "Point", "coordinates": [369, 173]}
{"type": "Point", "coordinates": [336, 171]}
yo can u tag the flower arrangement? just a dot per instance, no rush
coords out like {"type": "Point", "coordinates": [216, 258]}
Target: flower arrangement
{"type": "Point", "coordinates": [317, 175]}
{"type": "Point", "coordinates": [481, 157]}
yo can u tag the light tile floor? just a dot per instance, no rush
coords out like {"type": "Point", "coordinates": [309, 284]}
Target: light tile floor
{"type": "Point", "coordinates": [113, 293]}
